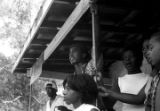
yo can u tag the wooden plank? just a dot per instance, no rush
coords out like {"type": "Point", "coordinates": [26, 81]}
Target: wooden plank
{"type": "Point", "coordinates": [38, 21]}
{"type": "Point", "coordinates": [36, 69]}
{"type": "Point", "coordinates": [54, 75]}
{"type": "Point", "coordinates": [66, 28]}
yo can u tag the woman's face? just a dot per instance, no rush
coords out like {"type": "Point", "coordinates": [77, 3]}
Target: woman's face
{"type": "Point", "coordinates": [129, 60]}
{"type": "Point", "coordinates": [74, 55]}
{"type": "Point", "coordinates": [71, 96]}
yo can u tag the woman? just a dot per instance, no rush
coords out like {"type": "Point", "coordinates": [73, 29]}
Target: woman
{"type": "Point", "coordinates": [129, 88]}
{"type": "Point", "coordinates": [81, 91]}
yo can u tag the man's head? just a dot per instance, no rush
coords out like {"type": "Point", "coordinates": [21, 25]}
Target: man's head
{"type": "Point", "coordinates": [153, 52]}
{"type": "Point", "coordinates": [51, 89]}
{"type": "Point", "coordinates": [78, 54]}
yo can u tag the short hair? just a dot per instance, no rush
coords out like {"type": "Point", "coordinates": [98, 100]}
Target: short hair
{"type": "Point", "coordinates": [83, 50]}
{"type": "Point", "coordinates": [85, 85]}
{"type": "Point", "coordinates": [137, 51]}
{"type": "Point", "coordinates": [51, 84]}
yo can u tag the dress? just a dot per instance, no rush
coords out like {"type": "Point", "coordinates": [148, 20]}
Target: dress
{"type": "Point", "coordinates": [132, 84]}
{"type": "Point", "coordinates": [85, 107]}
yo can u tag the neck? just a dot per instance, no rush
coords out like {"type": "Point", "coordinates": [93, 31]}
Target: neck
{"type": "Point", "coordinates": [134, 71]}
{"type": "Point", "coordinates": [77, 104]}
{"type": "Point", "coordinates": [80, 68]}
{"type": "Point", "coordinates": [157, 68]}
{"type": "Point", "coordinates": [52, 98]}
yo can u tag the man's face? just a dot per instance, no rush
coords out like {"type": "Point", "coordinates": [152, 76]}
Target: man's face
{"type": "Point", "coordinates": [75, 55]}
{"type": "Point", "coordinates": [154, 52]}
{"type": "Point", "coordinates": [51, 91]}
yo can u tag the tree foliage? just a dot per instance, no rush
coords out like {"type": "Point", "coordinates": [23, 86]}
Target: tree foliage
{"type": "Point", "coordinates": [15, 22]}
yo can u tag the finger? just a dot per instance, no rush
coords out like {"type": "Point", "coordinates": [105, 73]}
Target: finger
{"type": "Point", "coordinates": [103, 94]}
{"type": "Point", "coordinates": [101, 88]}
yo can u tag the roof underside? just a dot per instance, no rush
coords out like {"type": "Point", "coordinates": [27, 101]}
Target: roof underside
{"type": "Point", "coordinates": [121, 21]}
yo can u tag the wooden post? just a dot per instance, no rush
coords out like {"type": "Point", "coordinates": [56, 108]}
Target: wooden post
{"type": "Point", "coordinates": [95, 33]}
{"type": "Point", "coordinates": [95, 36]}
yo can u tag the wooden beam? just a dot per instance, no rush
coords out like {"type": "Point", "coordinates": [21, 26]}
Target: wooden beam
{"type": "Point", "coordinates": [38, 21]}
{"type": "Point", "coordinates": [66, 28]}
{"type": "Point", "coordinates": [54, 75]}
{"type": "Point", "coordinates": [36, 69]}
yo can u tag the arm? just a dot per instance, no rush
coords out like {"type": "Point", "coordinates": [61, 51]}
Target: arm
{"type": "Point", "coordinates": [126, 98]}
{"type": "Point", "coordinates": [129, 98]}
{"type": "Point", "coordinates": [108, 99]}
{"type": "Point", "coordinates": [63, 108]}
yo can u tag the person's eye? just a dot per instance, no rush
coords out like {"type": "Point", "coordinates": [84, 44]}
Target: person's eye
{"type": "Point", "coordinates": [67, 88]}
{"type": "Point", "coordinates": [150, 48]}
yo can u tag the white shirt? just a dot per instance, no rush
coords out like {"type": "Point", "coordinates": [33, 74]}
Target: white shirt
{"type": "Point", "coordinates": [132, 84]}
{"type": "Point", "coordinates": [86, 107]}
{"type": "Point", "coordinates": [58, 101]}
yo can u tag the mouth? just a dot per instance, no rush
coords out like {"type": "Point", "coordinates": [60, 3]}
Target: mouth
{"type": "Point", "coordinates": [65, 99]}
{"type": "Point", "coordinates": [149, 59]}
{"type": "Point", "coordinates": [128, 64]}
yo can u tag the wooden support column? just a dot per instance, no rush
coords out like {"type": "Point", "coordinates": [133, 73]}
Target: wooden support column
{"type": "Point", "coordinates": [95, 32]}
{"type": "Point", "coordinates": [95, 36]}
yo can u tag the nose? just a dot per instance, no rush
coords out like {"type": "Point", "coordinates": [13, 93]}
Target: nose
{"type": "Point", "coordinates": [147, 53]}
{"type": "Point", "coordinates": [70, 55]}
{"type": "Point", "coordinates": [64, 92]}
{"type": "Point", "coordinates": [126, 59]}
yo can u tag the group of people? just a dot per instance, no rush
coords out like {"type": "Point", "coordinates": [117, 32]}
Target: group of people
{"type": "Point", "coordinates": [84, 89]}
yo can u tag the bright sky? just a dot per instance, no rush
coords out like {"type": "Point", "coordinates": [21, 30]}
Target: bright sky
{"type": "Point", "coordinates": [6, 49]}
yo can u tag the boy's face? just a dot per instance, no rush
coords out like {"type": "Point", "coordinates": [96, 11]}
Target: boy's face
{"type": "Point", "coordinates": [71, 96]}
{"type": "Point", "coordinates": [154, 52]}
{"type": "Point", "coordinates": [75, 55]}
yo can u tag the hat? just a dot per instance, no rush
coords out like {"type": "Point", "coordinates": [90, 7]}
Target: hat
{"type": "Point", "coordinates": [51, 84]}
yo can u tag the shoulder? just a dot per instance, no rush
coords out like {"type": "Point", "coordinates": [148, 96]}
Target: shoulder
{"type": "Point", "coordinates": [94, 109]}
{"type": "Point", "coordinates": [58, 100]}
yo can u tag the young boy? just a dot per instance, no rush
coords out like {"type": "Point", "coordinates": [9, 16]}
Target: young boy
{"type": "Point", "coordinates": [153, 99]}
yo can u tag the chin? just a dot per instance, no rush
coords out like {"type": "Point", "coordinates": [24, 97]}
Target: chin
{"type": "Point", "coordinates": [67, 102]}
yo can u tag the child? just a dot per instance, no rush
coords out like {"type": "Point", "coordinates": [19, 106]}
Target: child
{"type": "Point", "coordinates": [153, 99]}
{"type": "Point", "coordinates": [129, 89]}
{"type": "Point", "coordinates": [81, 91]}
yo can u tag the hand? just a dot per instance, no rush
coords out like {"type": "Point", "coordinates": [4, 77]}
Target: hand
{"type": "Point", "coordinates": [103, 91]}
{"type": "Point", "coordinates": [62, 108]}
